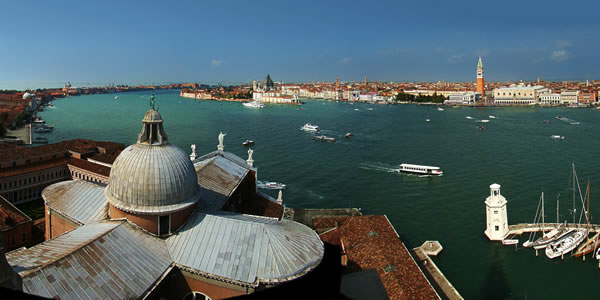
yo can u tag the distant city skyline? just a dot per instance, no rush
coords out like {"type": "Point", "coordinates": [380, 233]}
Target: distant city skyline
{"type": "Point", "coordinates": [45, 44]}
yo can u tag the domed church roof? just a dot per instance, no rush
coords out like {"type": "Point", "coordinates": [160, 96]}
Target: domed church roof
{"type": "Point", "coordinates": [152, 176]}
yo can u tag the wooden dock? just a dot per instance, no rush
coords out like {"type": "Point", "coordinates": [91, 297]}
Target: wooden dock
{"type": "Point", "coordinates": [522, 228]}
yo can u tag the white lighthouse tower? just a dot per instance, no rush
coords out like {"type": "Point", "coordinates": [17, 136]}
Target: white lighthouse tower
{"type": "Point", "coordinates": [495, 211]}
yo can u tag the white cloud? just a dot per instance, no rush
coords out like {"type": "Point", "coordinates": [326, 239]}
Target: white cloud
{"type": "Point", "coordinates": [559, 55]}
{"type": "Point", "coordinates": [216, 63]}
{"type": "Point", "coordinates": [344, 60]}
{"type": "Point", "coordinates": [456, 58]}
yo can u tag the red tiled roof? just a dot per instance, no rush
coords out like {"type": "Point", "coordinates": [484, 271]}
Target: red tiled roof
{"type": "Point", "coordinates": [89, 166]}
{"type": "Point", "coordinates": [10, 215]}
{"type": "Point", "coordinates": [371, 243]}
{"type": "Point", "coordinates": [33, 167]}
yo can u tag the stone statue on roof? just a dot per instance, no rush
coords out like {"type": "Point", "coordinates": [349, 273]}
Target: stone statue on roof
{"type": "Point", "coordinates": [250, 151]}
{"type": "Point", "coordinates": [220, 147]}
{"type": "Point", "coordinates": [152, 101]}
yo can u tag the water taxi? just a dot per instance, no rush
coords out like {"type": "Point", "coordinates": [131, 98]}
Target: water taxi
{"type": "Point", "coordinates": [310, 127]}
{"type": "Point", "coordinates": [423, 170]}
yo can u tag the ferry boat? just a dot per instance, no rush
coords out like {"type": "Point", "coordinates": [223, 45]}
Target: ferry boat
{"type": "Point", "coordinates": [423, 170]}
{"type": "Point", "coordinates": [254, 104]}
{"type": "Point", "coordinates": [324, 138]}
{"type": "Point", "coordinates": [565, 244]}
{"type": "Point", "coordinates": [310, 127]}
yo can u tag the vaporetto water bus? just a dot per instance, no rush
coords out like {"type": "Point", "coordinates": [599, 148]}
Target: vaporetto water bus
{"type": "Point", "coordinates": [422, 170]}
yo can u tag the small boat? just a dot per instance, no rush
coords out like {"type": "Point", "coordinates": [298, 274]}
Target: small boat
{"type": "Point", "coordinates": [116, 97]}
{"type": "Point", "coordinates": [469, 117]}
{"type": "Point", "coordinates": [510, 242]}
{"type": "Point", "coordinates": [38, 121]}
{"type": "Point", "coordinates": [349, 134]}
{"type": "Point", "coordinates": [484, 121]}
{"type": "Point", "coordinates": [591, 244]}
{"type": "Point", "coordinates": [547, 121]}
{"type": "Point", "coordinates": [440, 109]}
{"type": "Point", "coordinates": [254, 104]}
{"type": "Point", "coordinates": [42, 130]}
{"type": "Point", "coordinates": [40, 140]}
{"type": "Point", "coordinates": [565, 244]}
{"type": "Point", "coordinates": [324, 138]}
{"type": "Point", "coordinates": [419, 169]}
{"type": "Point", "coordinates": [310, 127]}
{"type": "Point", "coordinates": [370, 108]}
{"type": "Point", "coordinates": [270, 185]}
{"type": "Point", "coordinates": [248, 143]}
{"type": "Point", "coordinates": [427, 120]}
{"type": "Point", "coordinates": [356, 109]}
{"type": "Point", "coordinates": [491, 117]}
{"type": "Point", "coordinates": [558, 137]}
{"type": "Point", "coordinates": [481, 128]}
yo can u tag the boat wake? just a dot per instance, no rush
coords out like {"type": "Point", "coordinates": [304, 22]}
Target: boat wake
{"type": "Point", "coordinates": [378, 166]}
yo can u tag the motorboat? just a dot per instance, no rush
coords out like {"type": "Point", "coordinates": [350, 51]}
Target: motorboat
{"type": "Point", "coordinates": [116, 97]}
{"type": "Point", "coordinates": [270, 185]}
{"type": "Point", "coordinates": [469, 117]}
{"type": "Point", "coordinates": [481, 128]}
{"type": "Point", "coordinates": [558, 137]}
{"type": "Point", "coordinates": [491, 117]}
{"type": "Point", "coordinates": [42, 130]}
{"type": "Point", "coordinates": [565, 244]}
{"type": "Point", "coordinates": [310, 127]}
{"type": "Point", "coordinates": [349, 134]}
{"type": "Point", "coordinates": [440, 109]}
{"type": "Point", "coordinates": [547, 121]}
{"type": "Point", "coordinates": [422, 170]}
{"type": "Point", "coordinates": [324, 138]}
{"type": "Point", "coordinates": [484, 121]}
{"type": "Point", "coordinates": [427, 120]}
{"type": "Point", "coordinates": [248, 143]}
{"type": "Point", "coordinates": [254, 104]}
{"type": "Point", "coordinates": [38, 121]}
{"type": "Point", "coordinates": [356, 109]}
{"type": "Point", "coordinates": [370, 108]}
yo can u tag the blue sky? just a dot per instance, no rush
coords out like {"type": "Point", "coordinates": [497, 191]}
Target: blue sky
{"type": "Point", "coordinates": [45, 43]}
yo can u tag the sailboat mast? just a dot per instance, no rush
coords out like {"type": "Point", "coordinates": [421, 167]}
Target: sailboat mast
{"type": "Point", "coordinates": [542, 212]}
{"type": "Point", "coordinates": [587, 210]}
{"type": "Point", "coordinates": [557, 220]}
{"type": "Point", "coordinates": [573, 193]}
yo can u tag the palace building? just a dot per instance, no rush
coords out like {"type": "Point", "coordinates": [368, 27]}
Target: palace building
{"type": "Point", "coordinates": [165, 226]}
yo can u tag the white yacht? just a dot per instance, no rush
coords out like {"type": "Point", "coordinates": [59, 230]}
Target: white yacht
{"type": "Point", "coordinates": [310, 127]}
{"type": "Point", "coordinates": [565, 244]}
{"type": "Point", "coordinates": [422, 170]}
{"type": "Point", "coordinates": [254, 104]}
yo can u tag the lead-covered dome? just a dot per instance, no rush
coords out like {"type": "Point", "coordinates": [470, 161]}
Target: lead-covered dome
{"type": "Point", "coordinates": [152, 176]}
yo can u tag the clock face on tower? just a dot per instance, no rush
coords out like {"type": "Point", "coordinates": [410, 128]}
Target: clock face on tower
{"type": "Point", "coordinates": [479, 73]}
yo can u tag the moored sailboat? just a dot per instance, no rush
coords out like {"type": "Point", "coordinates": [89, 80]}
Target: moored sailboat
{"type": "Point", "coordinates": [591, 244]}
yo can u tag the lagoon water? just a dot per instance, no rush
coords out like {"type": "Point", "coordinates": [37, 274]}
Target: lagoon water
{"type": "Point", "coordinates": [515, 150]}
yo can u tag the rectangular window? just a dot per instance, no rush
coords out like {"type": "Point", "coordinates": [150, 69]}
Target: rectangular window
{"type": "Point", "coordinates": [496, 227]}
{"type": "Point", "coordinates": [495, 212]}
{"type": "Point", "coordinates": [164, 224]}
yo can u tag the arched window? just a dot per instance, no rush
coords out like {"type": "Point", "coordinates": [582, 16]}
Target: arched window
{"type": "Point", "coordinates": [196, 296]}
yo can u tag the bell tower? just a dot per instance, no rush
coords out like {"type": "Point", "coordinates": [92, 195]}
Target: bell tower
{"type": "Point", "coordinates": [496, 217]}
{"type": "Point", "coordinates": [480, 80]}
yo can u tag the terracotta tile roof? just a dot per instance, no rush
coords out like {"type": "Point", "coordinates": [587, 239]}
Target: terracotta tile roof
{"type": "Point", "coordinates": [76, 145]}
{"type": "Point", "coordinates": [10, 215]}
{"type": "Point", "coordinates": [371, 242]}
{"type": "Point", "coordinates": [89, 166]}
{"type": "Point", "coordinates": [33, 167]}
